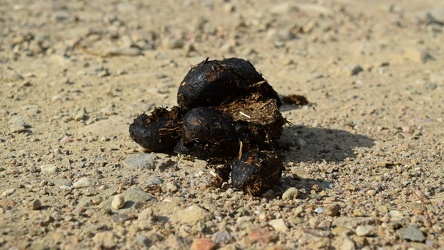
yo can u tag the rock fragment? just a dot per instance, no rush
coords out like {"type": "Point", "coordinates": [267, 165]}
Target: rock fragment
{"type": "Point", "coordinates": [291, 194]}
{"type": "Point", "coordinates": [17, 124]}
{"type": "Point", "coordinates": [203, 244]}
{"type": "Point", "coordinates": [140, 160]}
{"type": "Point", "coordinates": [436, 16]}
{"type": "Point", "coordinates": [118, 202]}
{"type": "Point", "coordinates": [411, 233]}
{"type": "Point", "coordinates": [364, 230]}
{"type": "Point", "coordinates": [82, 182]}
{"type": "Point", "coordinates": [48, 169]}
{"type": "Point", "coordinates": [193, 214]}
{"type": "Point", "coordinates": [36, 204]}
{"type": "Point", "coordinates": [279, 225]}
{"type": "Point", "coordinates": [333, 210]}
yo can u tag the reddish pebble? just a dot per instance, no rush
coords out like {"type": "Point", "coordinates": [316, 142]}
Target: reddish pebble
{"type": "Point", "coordinates": [261, 235]}
{"type": "Point", "coordinates": [203, 244]}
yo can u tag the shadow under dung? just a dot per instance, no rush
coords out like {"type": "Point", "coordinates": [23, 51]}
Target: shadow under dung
{"type": "Point", "coordinates": [308, 144]}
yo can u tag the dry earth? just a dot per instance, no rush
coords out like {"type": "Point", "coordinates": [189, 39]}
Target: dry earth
{"type": "Point", "coordinates": [365, 165]}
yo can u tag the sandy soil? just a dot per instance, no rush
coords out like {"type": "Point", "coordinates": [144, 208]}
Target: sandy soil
{"type": "Point", "coordinates": [365, 165]}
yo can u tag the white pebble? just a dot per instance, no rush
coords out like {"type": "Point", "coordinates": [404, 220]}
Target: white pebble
{"type": "Point", "coordinates": [82, 182]}
{"type": "Point", "coordinates": [118, 202]}
{"type": "Point", "coordinates": [319, 210]}
{"type": "Point", "coordinates": [364, 230]}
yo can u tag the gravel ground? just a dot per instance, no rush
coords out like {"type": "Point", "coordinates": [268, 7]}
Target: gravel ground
{"type": "Point", "coordinates": [364, 169]}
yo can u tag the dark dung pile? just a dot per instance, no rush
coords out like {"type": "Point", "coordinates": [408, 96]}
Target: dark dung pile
{"type": "Point", "coordinates": [227, 113]}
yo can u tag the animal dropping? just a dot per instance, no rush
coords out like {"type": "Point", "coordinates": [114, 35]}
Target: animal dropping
{"type": "Point", "coordinates": [227, 113]}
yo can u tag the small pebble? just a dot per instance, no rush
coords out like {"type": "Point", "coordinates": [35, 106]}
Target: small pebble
{"type": "Point", "coordinates": [355, 69]}
{"type": "Point", "coordinates": [140, 160]}
{"type": "Point", "coordinates": [411, 233]}
{"type": "Point", "coordinates": [291, 194]}
{"type": "Point", "coordinates": [8, 192]}
{"type": "Point", "coordinates": [65, 140]}
{"type": "Point", "coordinates": [203, 244]}
{"type": "Point", "coordinates": [221, 237]}
{"type": "Point", "coordinates": [364, 230]}
{"type": "Point", "coordinates": [36, 204]}
{"type": "Point", "coordinates": [48, 169]}
{"type": "Point", "coordinates": [319, 210]}
{"type": "Point", "coordinates": [436, 15]}
{"type": "Point", "coordinates": [279, 225]}
{"type": "Point", "coordinates": [118, 202]}
{"type": "Point", "coordinates": [17, 124]}
{"type": "Point", "coordinates": [333, 210]}
{"type": "Point", "coordinates": [193, 214]}
{"type": "Point", "coordinates": [82, 182]}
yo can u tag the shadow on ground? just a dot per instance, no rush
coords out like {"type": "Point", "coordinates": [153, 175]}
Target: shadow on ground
{"type": "Point", "coordinates": [318, 144]}
{"type": "Point", "coordinates": [307, 144]}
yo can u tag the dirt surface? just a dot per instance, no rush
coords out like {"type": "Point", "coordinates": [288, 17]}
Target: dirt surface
{"type": "Point", "coordinates": [364, 167]}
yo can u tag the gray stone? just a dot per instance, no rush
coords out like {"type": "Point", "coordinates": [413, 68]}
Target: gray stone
{"type": "Point", "coordinates": [411, 233]}
{"type": "Point", "coordinates": [48, 169]}
{"type": "Point", "coordinates": [140, 160]}
{"type": "Point", "coordinates": [85, 202]}
{"type": "Point", "coordinates": [319, 210]}
{"type": "Point", "coordinates": [80, 115]}
{"type": "Point", "coordinates": [364, 230]}
{"type": "Point", "coordinates": [62, 182]}
{"type": "Point", "coordinates": [17, 124]}
{"type": "Point", "coordinates": [221, 237]}
{"type": "Point", "coordinates": [193, 214]}
{"type": "Point", "coordinates": [302, 143]}
{"type": "Point", "coordinates": [436, 15]}
{"type": "Point", "coordinates": [82, 182]}
{"type": "Point", "coordinates": [111, 191]}
{"type": "Point", "coordinates": [355, 69]}
{"type": "Point", "coordinates": [154, 181]}
{"type": "Point", "coordinates": [143, 241]}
